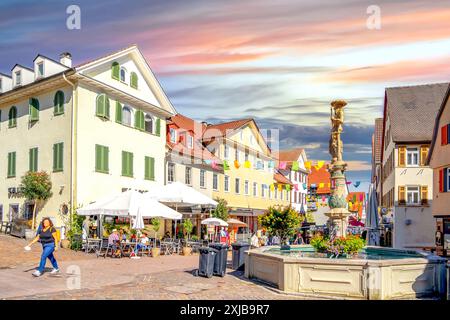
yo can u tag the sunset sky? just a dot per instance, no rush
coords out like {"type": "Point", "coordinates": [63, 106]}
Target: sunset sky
{"type": "Point", "coordinates": [280, 62]}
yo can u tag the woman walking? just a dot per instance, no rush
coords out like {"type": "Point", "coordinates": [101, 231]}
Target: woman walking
{"type": "Point", "coordinates": [48, 238]}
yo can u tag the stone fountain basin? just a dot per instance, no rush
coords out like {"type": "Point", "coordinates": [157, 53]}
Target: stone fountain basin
{"type": "Point", "coordinates": [394, 274]}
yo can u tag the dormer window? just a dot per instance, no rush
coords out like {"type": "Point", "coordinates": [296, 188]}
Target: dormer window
{"type": "Point", "coordinates": [18, 78]}
{"type": "Point", "coordinates": [40, 69]}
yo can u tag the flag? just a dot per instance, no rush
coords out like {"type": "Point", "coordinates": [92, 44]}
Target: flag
{"type": "Point", "coordinates": [272, 187]}
{"type": "Point", "coordinates": [288, 187]}
{"type": "Point", "coordinates": [328, 184]}
{"type": "Point", "coordinates": [295, 166]}
{"type": "Point", "coordinates": [259, 165]}
{"type": "Point", "coordinates": [319, 164]}
{"type": "Point", "coordinates": [214, 164]}
{"type": "Point", "coordinates": [321, 185]}
{"type": "Point", "coordinates": [305, 186]}
{"type": "Point", "coordinates": [348, 182]}
{"type": "Point", "coordinates": [236, 164]}
{"type": "Point", "coordinates": [356, 184]}
{"type": "Point", "coordinates": [308, 165]}
{"type": "Point", "coordinates": [282, 165]}
{"type": "Point", "coordinates": [271, 164]}
{"type": "Point", "coordinates": [361, 197]}
{"type": "Point", "coordinates": [226, 166]}
{"type": "Point", "coordinates": [247, 164]}
{"type": "Point", "coordinates": [296, 187]}
{"type": "Point", "coordinates": [208, 161]}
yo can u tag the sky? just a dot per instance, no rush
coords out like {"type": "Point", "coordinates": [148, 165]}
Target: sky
{"type": "Point", "coordinates": [280, 62]}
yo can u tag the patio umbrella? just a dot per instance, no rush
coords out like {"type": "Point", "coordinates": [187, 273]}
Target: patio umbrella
{"type": "Point", "coordinates": [236, 222]}
{"type": "Point", "coordinates": [373, 232]}
{"type": "Point", "coordinates": [181, 195]}
{"type": "Point", "coordinates": [216, 222]}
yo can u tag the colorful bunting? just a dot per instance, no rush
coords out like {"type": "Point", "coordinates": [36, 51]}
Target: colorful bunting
{"type": "Point", "coordinates": [308, 165]}
{"type": "Point", "coordinates": [272, 187]}
{"type": "Point", "coordinates": [282, 165]}
{"type": "Point", "coordinates": [288, 187]}
{"type": "Point", "coordinates": [226, 166]}
{"type": "Point", "coordinates": [208, 162]}
{"type": "Point", "coordinates": [236, 164]}
{"type": "Point", "coordinates": [348, 182]}
{"type": "Point", "coordinates": [356, 184]}
{"type": "Point", "coordinates": [305, 186]}
{"type": "Point", "coordinates": [319, 164]}
{"type": "Point", "coordinates": [280, 187]}
{"type": "Point", "coordinates": [295, 166]}
{"type": "Point", "coordinates": [321, 185]}
{"type": "Point", "coordinates": [271, 164]}
{"type": "Point", "coordinates": [295, 187]}
{"type": "Point", "coordinates": [247, 164]}
{"type": "Point", "coordinates": [214, 164]}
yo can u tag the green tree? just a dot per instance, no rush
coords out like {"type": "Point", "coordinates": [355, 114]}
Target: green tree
{"type": "Point", "coordinates": [187, 227]}
{"type": "Point", "coordinates": [221, 211]}
{"type": "Point", "coordinates": [156, 223]}
{"type": "Point", "coordinates": [37, 188]}
{"type": "Point", "coordinates": [280, 221]}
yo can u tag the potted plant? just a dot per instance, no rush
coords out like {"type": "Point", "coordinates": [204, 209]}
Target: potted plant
{"type": "Point", "coordinates": [187, 227]}
{"type": "Point", "coordinates": [156, 224]}
{"type": "Point", "coordinates": [29, 232]}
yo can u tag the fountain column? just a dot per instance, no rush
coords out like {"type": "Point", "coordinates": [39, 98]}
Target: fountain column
{"type": "Point", "coordinates": [338, 214]}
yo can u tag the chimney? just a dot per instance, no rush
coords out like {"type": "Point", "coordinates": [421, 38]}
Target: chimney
{"type": "Point", "coordinates": [65, 58]}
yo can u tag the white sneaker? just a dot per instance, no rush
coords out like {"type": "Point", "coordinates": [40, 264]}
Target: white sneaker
{"type": "Point", "coordinates": [37, 273]}
{"type": "Point", "coordinates": [54, 271]}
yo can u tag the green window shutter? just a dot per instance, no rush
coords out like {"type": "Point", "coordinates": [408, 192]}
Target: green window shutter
{"type": "Point", "coordinates": [33, 159]}
{"type": "Point", "coordinates": [118, 112]}
{"type": "Point", "coordinates": [149, 168]}
{"type": "Point", "coordinates": [124, 163]}
{"type": "Point", "coordinates": [158, 127]}
{"type": "Point", "coordinates": [115, 70]}
{"type": "Point", "coordinates": [139, 120]}
{"type": "Point", "coordinates": [58, 156]}
{"type": "Point", "coordinates": [127, 164]}
{"type": "Point", "coordinates": [34, 109]}
{"type": "Point", "coordinates": [101, 159]}
{"type": "Point", "coordinates": [134, 80]}
{"type": "Point", "coordinates": [11, 164]}
{"type": "Point", "coordinates": [102, 106]}
{"type": "Point", "coordinates": [58, 103]}
{"type": "Point", "coordinates": [130, 164]}
{"type": "Point", "coordinates": [12, 117]}
{"type": "Point", "coordinates": [107, 107]}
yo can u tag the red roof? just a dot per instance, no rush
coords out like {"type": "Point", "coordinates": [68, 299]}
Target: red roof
{"type": "Point", "coordinates": [220, 130]}
{"type": "Point", "coordinates": [278, 177]}
{"type": "Point", "coordinates": [290, 155]}
{"type": "Point", "coordinates": [360, 197]}
{"type": "Point", "coordinates": [320, 176]}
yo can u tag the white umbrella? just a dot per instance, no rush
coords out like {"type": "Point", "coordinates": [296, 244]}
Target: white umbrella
{"type": "Point", "coordinates": [215, 222]}
{"type": "Point", "coordinates": [180, 194]}
{"type": "Point", "coordinates": [372, 225]}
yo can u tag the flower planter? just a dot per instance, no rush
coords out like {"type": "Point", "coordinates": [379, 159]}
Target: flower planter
{"type": "Point", "coordinates": [187, 251]}
{"type": "Point", "coordinates": [155, 252]}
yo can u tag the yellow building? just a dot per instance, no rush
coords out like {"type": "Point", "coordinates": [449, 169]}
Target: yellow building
{"type": "Point", "coordinates": [97, 128]}
{"type": "Point", "coordinates": [250, 184]}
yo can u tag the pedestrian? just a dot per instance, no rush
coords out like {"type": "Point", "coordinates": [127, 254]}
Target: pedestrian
{"type": "Point", "coordinates": [49, 240]}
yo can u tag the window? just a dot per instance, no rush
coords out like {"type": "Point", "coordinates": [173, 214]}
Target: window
{"type": "Point", "coordinates": [263, 190]}
{"type": "Point", "coordinates": [226, 151]}
{"type": "Point", "coordinates": [237, 183]}
{"type": "Point", "coordinates": [11, 165]}
{"type": "Point", "coordinates": [255, 189]}
{"type": "Point", "coordinates": [445, 135]}
{"type": "Point", "coordinates": [101, 159]}
{"type": "Point", "coordinates": [33, 109]}
{"type": "Point", "coordinates": [171, 172]}
{"type": "Point", "coordinates": [127, 164]}
{"type": "Point", "coordinates": [412, 195]}
{"type": "Point", "coordinates": [139, 121]}
{"type": "Point", "coordinates": [215, 181]}
{"type": "Point", "coordinates": [246, 191]}
{"type": "Point", "coordinates": [202, 179]}
{"type": "Point", "coordinates": [444, 180]}
{"type": "Point", "coordinates": [173, 135]}
{"type": "Point", "coordinates": [226, 183]}
{"type": "Point", "coordinates": [281, 194]}
{"type": "Point", "coordinates": [133, 80]}
{"type": "Point", "coordinates": [115, 70]}
{"type": "Point", "coordinates": [18, 78]}
{"type": "Point", "coordinates": [276, 193]}
{"type": "Point", "coordinates": [40, 66]}
{"type": "Point", "coordinates": [123, 74]}
{"type": "Point", "coordinates": [33, 159]}
{"type": "Point", "coordinates": [126, 116]}
{"type": "Point", "coordinates": [1, 212]}
{"type": "Point", "coordinates": [58, 149]}
{"type": "Point", "coordinates": [412, 156]}
{"type": "Point", "coordinates": [190, 142]}
{"type": "Point", "coordinates": [58, 103]}
{"type": "Point", "coordinates": [246, 155]}
{"type": "Point", "coordinates": [148, 123]}
{"type": "Point", "coordinates": [188, 176]}
{"type": "Point", "coordinates": [12, 117]}
{"type": "Point", "coordinates": [149, 168]}
{"type": "Point", "coordinates": [102, 106]}
{"type": "Point", "coordinates": [236, 154]}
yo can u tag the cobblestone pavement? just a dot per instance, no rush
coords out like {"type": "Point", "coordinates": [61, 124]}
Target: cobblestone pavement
{"type": "Point", "coordinates": [162, 278]}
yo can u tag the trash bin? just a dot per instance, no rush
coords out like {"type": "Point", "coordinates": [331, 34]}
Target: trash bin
{"type": "Point", "coordinates": [238, 260]}
{"type": "Point", "coordinates": [220, 261]}
{"type": "Point", "coordinates": [206, 262]}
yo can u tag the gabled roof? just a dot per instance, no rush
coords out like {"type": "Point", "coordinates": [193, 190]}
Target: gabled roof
{"type": "Point", "coordinates": [186, 123]}
{"type": "Point", "coordinates": [5, 75]}
{"type": "Point", "coordinates": [223, 128]}
{"type": "Point", "coordinates": [320, 176]}
{"type": "Point", "coordinates": [378, 140]}
{"type": "Point", "coordinates": [436, 124]}
{"type": "Point", "coordinates": [23, 67]}
{"type": "Point", "coordinates": [290, 155]}
{"type": "Point", "coordinates": [53, 60]}
{"type": "Point", "coordinates": [278, 177]}
{"type": "Point", "coordinates": [412, 111]}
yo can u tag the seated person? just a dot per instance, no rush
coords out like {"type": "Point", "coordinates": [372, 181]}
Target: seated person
{"type": "Point", "coordinates": [113, 241]}
{"type": "Point", "coordinates": [144, 243]}
{"type": "Point", "coordinates": [122, 235]}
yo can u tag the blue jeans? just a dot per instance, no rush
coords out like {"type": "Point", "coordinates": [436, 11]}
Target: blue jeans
{"type": "Point", "coordinates": [47, 252]}
{"type": "Point", "coordinates": [140, 246]}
